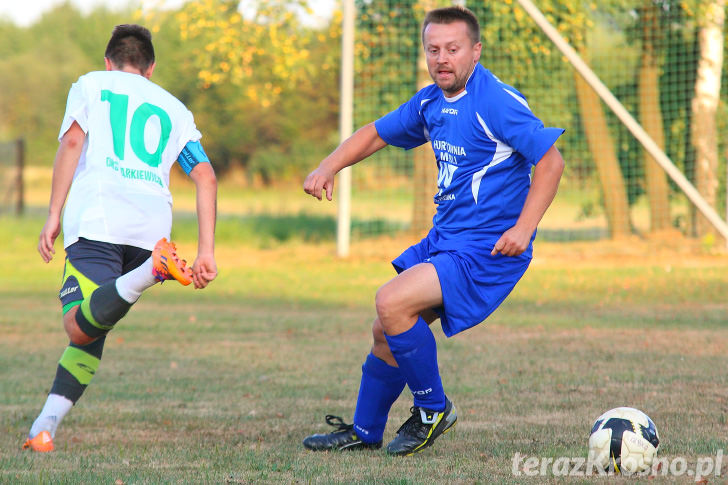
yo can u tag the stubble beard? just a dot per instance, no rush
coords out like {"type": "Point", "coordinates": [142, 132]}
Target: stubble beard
{"type": "Point", "coordinates": [456, 85]}
{"type": "Point", "coordinates": [453, 87]}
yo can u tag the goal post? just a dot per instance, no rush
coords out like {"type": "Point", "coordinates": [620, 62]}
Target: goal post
{"type": "Point", "coordinates": [346, 126]}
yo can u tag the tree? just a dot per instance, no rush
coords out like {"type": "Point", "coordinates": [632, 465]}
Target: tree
{"type": "Point", "coordinates": [535, 67]}
{"type": "Point", "coordinates": [573, 22]}
{"type": "Point", "coordinates": [425, 164]}
{"type": "Point", "coordinates": [39, 63]}
{"type": "Point", "coordinates": [711, 19]}
{"type": "Point", "coordinates": [262, 50]}
{"type": "Point", "coordinates": [601, 145]}
{"type": "Point", "coordinates": [256, 95]}
{"type": "Point", "coordinates": [651, 115]}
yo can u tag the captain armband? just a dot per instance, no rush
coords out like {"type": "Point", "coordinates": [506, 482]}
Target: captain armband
{"type": "Point", "coordinates": [191, 155]}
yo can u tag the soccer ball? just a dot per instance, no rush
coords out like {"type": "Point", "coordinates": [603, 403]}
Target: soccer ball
{"type": "Point", "coordinates": [624, 440]}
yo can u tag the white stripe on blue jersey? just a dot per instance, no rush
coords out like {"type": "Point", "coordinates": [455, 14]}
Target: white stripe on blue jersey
{"type": "Point", "coordinates": [502, 152]}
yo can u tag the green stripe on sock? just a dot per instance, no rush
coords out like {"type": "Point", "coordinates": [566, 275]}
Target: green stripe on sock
{"type": "Point", "coordinates": [79, 364]}
{"type": "Point", "coordinates": [86, 310]}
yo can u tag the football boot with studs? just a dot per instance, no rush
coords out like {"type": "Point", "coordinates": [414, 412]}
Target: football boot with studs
{"type": "Point", "coordinates": [344, 438]}
{"type": "Point", "coordinates": [422, 429]}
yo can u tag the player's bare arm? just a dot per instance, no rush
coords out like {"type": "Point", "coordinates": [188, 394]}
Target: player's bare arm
{"type": "Point", "coordinates": [364, 142]}
{"type": "Point", "coordinates": [546, 177]}
{"type": "Point", "coordinates": [64, 166]}
{"type": "Point", "coordinates": [204, 269]}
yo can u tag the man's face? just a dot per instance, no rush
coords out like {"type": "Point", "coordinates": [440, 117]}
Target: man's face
{"type": "Point", "coordinates": [451, 55]}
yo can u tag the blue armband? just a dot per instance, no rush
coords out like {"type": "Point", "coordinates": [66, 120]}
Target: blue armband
{"type": "Point", "coordinates": [191, 155]}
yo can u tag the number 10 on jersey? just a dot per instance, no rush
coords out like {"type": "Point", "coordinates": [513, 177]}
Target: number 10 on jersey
{"type": "Point", "coordinates": [118, 115]}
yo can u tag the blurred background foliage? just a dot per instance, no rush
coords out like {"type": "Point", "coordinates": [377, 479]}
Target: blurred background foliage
{"type": "Point", "coordinates": [262, 83]}
{"type": "Point", "coordinates": [270, 120]}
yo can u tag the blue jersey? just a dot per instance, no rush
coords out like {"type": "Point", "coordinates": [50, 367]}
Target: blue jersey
{"type": "Point", "coordinates": [486, 140]}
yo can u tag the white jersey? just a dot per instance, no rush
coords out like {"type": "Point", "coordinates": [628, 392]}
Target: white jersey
{"type": "Point", "coordinates": [135, 131]}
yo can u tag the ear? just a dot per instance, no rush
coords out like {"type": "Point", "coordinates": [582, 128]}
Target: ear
{"type": "Point", "coordinates": [109, 66]}
{"type": "Point", "coordinates": [477, 48]}
{"type": "Point", "coordinates": [148, 73]}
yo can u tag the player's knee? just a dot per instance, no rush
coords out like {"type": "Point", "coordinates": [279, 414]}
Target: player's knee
{"type": "Point", "coordinates": [378, 333]}
{"type": "Point", "coordinates": [380, 348]}
{"type": "Point", "coordinates": [81, 339]}
{"type": "Point", "coordinates": [386, 304]}
{"type": "Point", "coordinates": [75, 334]}
{"type": "Point", "coordinates": [73, 331]}
{"type": "Point", "coordinates": [69, 320]}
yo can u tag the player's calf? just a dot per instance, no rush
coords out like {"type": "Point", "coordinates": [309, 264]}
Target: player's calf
{"type": "Point", "coordinates": [74, 332]}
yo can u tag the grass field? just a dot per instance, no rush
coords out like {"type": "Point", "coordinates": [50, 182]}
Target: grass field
{"type": "Point", "coordinates": [221, 385]}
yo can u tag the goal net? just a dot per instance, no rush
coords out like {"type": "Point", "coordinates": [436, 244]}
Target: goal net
{"type": "Point", "coordinates": [661, 59]}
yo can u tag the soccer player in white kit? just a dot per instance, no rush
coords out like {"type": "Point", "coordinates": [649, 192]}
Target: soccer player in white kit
{"type": "Point", "coordinates": [119, 138]}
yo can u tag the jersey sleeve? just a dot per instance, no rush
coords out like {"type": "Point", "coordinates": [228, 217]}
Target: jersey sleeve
{"type": "Point", "coordinates": [191, 152]}
{"type": "Point", "coordinates": [190, 131]}
{"type": "Point", "coordinates": [513, 122]}
{"type": "Point", "coordinates": [403, 127]}
{"type": "Point", "coordinates": [76, 108]}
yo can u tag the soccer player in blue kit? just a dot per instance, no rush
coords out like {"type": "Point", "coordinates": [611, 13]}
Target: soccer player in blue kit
{"type": "Point", "coordinates": [486, 141]}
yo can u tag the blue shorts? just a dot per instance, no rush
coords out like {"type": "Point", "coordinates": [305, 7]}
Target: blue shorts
{"type": "Point", "coordinates": [90, 264]}
{"type": "Point", "coordinates": [473, 282]}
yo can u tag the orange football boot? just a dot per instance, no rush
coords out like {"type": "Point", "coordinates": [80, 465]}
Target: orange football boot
{"type": "Point", "coordinates": [42, 442]}
{"type": "Point", "coordinates": [167, 265]}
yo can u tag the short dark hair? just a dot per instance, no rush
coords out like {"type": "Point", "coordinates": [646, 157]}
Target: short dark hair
{"type": "Point", "coordinates": [130, 44]}
{"type": "Point", "coordinates": [448, 15]}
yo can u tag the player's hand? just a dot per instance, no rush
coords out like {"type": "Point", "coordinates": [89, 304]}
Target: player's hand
{"type": "Point", "coordinates": [48, 235]}
{"type": "Point", "coordinates": [204, 270]}
{"type": "Point", "coordinates": [318, 182]}
{"type": "Point", "coordinates": [513, 242]}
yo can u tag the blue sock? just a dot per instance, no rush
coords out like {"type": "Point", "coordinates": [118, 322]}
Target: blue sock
{"type": "Point", "coordinates": [381, 385]}
{"type": "Point", "coordinates": [416, 354]}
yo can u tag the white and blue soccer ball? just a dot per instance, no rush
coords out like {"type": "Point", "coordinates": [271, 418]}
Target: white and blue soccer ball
{"type": "Point", "coordinates": [624, 440]}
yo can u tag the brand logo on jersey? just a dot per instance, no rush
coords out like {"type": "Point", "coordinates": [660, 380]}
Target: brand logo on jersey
{"type": "Point", "coordinates": [450, 111]}
{"type": "Point", "coordinates": [68, 291]}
